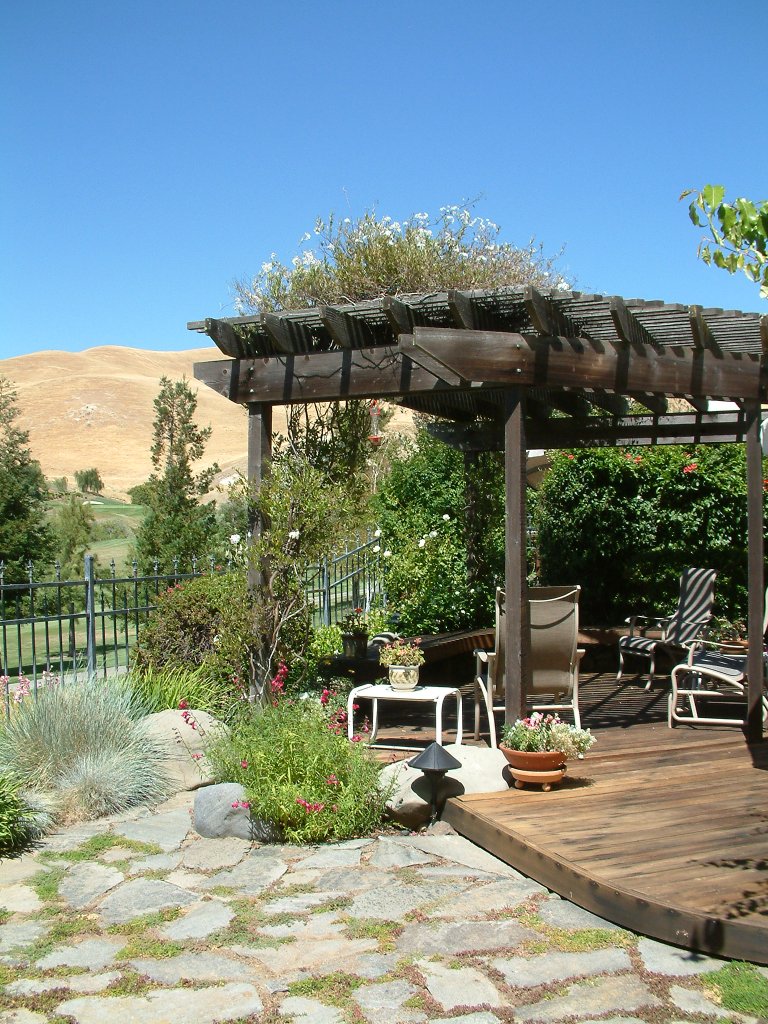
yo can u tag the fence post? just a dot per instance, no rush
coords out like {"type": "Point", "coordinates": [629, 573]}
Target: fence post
{"type": "Point", "coordinates": [90, 615]}
{"type": "Point", "coordinates": [326, 592]}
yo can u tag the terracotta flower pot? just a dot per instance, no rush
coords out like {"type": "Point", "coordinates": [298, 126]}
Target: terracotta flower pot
{"type": "Point", "coordinates": [542, 767]}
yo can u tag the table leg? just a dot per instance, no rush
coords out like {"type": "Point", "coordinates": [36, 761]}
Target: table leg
{"type": "Point", "coordinates": [459, 719]}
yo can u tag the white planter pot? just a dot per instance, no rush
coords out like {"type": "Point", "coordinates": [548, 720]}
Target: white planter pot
{"type": "Point", "coordinates": [403, 677]}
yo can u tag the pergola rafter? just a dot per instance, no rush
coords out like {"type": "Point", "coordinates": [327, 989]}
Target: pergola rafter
{"type": "Point", "coordinates": [514, 368]}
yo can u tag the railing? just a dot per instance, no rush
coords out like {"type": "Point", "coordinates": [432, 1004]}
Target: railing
{"type": "Point", "coordinates": [90, 626]}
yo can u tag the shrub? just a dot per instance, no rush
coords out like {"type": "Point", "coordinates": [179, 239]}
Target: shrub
{"type": "Point", "coordinates": [205, 624]}
{"type": "Point", "coordinates": [85, 743]}
{"type": "Point", "coordinates": [300, 773]}
{"type": "Point", "coordinates": [624, 523]}
{"type": "Point", "coordinates": [159, 689]}
{"type": "Point", "coordinates": [17, 820]}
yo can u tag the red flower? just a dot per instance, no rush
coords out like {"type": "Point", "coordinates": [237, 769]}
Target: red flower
{"type": "Point", "coordinates": [691, 467]}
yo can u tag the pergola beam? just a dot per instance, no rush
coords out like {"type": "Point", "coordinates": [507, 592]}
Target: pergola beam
{"type": "Point", "coordinates": [510, 359]}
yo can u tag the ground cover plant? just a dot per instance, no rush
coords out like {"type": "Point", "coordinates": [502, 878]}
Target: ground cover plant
{"type": "Point", "coordinates": [18, 822]}
{"type": "Point", "coordinates": [301, 775]}
{"type": "Point", "coordinates": [85, 745]}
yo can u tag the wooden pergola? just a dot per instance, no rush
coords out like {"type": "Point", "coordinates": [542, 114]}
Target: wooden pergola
{"type": "Point", "coordinates": [514, 369]}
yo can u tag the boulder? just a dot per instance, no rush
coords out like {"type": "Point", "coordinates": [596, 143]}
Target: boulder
{"type": "Point", "coordinates": [184, 746]}
{"type": "Point", "coordinates": [219, 812]}
{"type": "Point", "coordinates": [482, 771]}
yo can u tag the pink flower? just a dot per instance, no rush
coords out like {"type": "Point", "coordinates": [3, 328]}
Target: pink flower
{"type": "Point", "coordinates": [183, 704]}
{"type": "Point", "coordinates": [691, 467]}
{"type": "Point", "coordinates": [197, 757]}
{"type": "Point", "coordinates": [332, 781]}
{"type": "Point", "coordinates": [243, 763]}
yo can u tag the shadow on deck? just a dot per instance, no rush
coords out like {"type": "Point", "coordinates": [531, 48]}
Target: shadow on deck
{"type": "Point", "coordinates": [659, 830]}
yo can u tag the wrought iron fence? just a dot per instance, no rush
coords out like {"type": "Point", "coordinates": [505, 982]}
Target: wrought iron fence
{"type": "Point", "coordinates": [89, 626]}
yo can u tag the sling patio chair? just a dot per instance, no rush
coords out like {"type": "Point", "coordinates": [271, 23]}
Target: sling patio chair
{"type": "Point", "coordinates": [686, 624]}
{"type": "Point", "coordinates": [555, 657]}
{"type": "Point", "coordinates": [710, 676]}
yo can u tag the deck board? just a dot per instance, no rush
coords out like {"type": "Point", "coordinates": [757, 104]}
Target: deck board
{"type": "Point", "coordinates": [662, 831]}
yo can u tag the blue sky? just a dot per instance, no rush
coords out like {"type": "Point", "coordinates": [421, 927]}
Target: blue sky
{"type": "Point", "coordinates": [155, 151]}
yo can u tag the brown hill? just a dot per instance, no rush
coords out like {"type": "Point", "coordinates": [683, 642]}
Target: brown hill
{"type": "Point", "coordinates": [94, 409]}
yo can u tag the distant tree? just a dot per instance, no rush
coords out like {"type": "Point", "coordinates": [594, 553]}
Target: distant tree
{"type": "Point", "coordinates": [89, 480]}
{"type": "Point", "coordinates": [140, 493]}
{"type": "Point", "coordinates": [177, 525]}
{"type": "Point", "coordinates": [739, 231]}
{"type": "Point", "coordinates": [24, 533]}
{"type": "Point", "coordinates": [58, 485]}
{"type": "Point", "coordinates": [73, 526]}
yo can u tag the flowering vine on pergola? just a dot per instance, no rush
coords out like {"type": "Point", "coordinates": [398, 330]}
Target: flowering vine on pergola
{"type": "Point", "coordinates": [514, 369]}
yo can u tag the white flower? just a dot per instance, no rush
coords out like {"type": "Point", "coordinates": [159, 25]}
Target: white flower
{"type": "Point", "coordinates": [422, 542]}
{"type": "Point", "coordinates": [387, 553]}
{"type": "Point", "coordinates": [433, 533]}
{"type": "Point", "coordinates": [446, 517]}
{"type": "Point", "coordinates": [376, 548]}
{"type": "Point", "coordinates": [235, 539]}
{"type": "Point", "coordinates": [266, 268]}
{"type": "Point", "coordinates": [293, 535]}
{"type": "Point", "coordinates": [377, 533]}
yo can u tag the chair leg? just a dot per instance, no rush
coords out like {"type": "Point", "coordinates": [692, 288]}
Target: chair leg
{"type": "Point", "coordinates": [621, 664]}
{"type": "Point", "coordinates": [651, 671]}
{"type": "Point", "coordinates": [489, 708]}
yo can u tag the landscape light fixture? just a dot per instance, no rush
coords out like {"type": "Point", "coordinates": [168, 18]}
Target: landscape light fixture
{"type": "Point", "coordinates": [434, 762]}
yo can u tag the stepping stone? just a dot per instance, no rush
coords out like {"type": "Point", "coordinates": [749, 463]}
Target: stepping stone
{"type": "Point", "coordinates": [86, 881]}
{"type": "Point", "coordinates": [142, 896]}
{"type": "Point", "coordinates": [190, 967]}
{"type": "Point", "coordinates": [383, 1003]}
{"type": "Point", "coordinates": [481, 1017]}
{"type": "Point", "coordinates": [19, 870]}
{"type": "Point", "coordinates": [192, 1006]}
{"type": "Point", "coordinates": [374, 965]}
{"type": "Point", "coordinates": [311, 1011]}
{"type": "Point", "coordinates": [392, 901]}
{"type": "Point", "coordinates": [563, 914]}
{"type": "Point", "coordinates": [94, 954]}
{"type": "Point", "coordinates": [82, 983]}
{"type": "Point", "coordinates": [461, 851]}
{"type": "Point", "coordinates": [392, 854]}
{"type": "Point", "coordinates": [658, 958]}
{"type": "Point", "coordinates": [168, 830]}
{"type": "Point", "coordinates": [464, 986]}
{"type": "Point", "coordinates": [22, 1017]}
{"type": "Point", "coordinates": [527, 972]}
{"type": "Point", "coordinates": [695, 1002]}
{"type": "Point", "coordinates": [317, 956]}
{"type": "Point", "coordinates": [362, 879]}
{"type": "Point", "coordinates": [17, 935]}
{"type": "Point", "coordinates": [460, 936]}
{"type": "Point", "coordinates": [187, 879]}
{"type": "Point", "coordinates": [250, 877]}
{"type": "Point", "coordinates": [73, 838]}
{"type": "Point", "coordinates": [491, 897]}
{"type": "Point", "coordinates": [155, 862]}
{"type": "Point", "coordinates": [597, 997]}
{"type": "Point", "coordinates": [20, 899]}
{"type": "Point", "coordinates": [200, 921]}
{"type": "Point", "coordinates": [215, 854]}
{"type": "Point", "coordinates": [334, 857]}
{"type": "Point", "coordinates": [318, 926]}
{"type": "Point", "coordinates": [301, 903]}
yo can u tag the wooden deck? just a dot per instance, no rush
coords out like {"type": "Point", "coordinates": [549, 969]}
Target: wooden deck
{"type": "Point", "coordinates": [663, 831]}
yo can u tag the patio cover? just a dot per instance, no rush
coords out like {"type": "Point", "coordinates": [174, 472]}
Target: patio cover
{"type": "Point", "coordinates": [513, 369]}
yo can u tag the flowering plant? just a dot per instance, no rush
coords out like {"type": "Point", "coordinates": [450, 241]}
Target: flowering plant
{"type": "Point", "coordinates": [547, 732]}
{"type": "Point", "coordinates": [354, 622]}
{"type": "Point", "coordinates": [402, 652]}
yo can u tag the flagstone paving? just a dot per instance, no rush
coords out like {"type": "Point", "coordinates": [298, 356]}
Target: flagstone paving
{"type": "Point", "coordinates": [138, 919]}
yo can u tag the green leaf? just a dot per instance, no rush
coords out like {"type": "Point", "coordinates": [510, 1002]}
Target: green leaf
{"type": "Point", "coordinates": [713, 195]}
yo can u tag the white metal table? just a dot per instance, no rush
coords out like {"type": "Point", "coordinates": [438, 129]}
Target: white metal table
{"type": "Point", "coordinates": [424, 694]}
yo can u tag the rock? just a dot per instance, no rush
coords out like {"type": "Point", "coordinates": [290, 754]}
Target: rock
{"type": "Point", "coordinates": [184, 746]}
{"type": "Point", "coordinates": [409, 803]}
{"type": "Point", "coordinates": [219, 812]}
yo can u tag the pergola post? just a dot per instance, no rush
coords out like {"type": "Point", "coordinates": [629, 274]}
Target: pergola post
{"type": "Point", "coordinates": [755, 575]}
{"type": "Point", "coordinates": [515, 570]}
{"type": "Point", "coordinates": [259, 457]}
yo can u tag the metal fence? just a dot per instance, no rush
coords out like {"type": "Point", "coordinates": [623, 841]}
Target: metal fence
{"type": "Point", "coordinates": [89, 626]}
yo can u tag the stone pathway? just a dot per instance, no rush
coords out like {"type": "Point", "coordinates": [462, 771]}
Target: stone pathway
{"type": "Point", "coordinates": [138, 920]}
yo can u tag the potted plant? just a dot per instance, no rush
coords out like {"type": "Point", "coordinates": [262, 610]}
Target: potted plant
{"type": "Point", "coordinates": [354, 634]}
{"type": "Point", "coordinates": [730, 636]}
{"type": "Point", "coordinates": [538, 747]}
{"type": "Point", "coordinates": [402, 658]}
